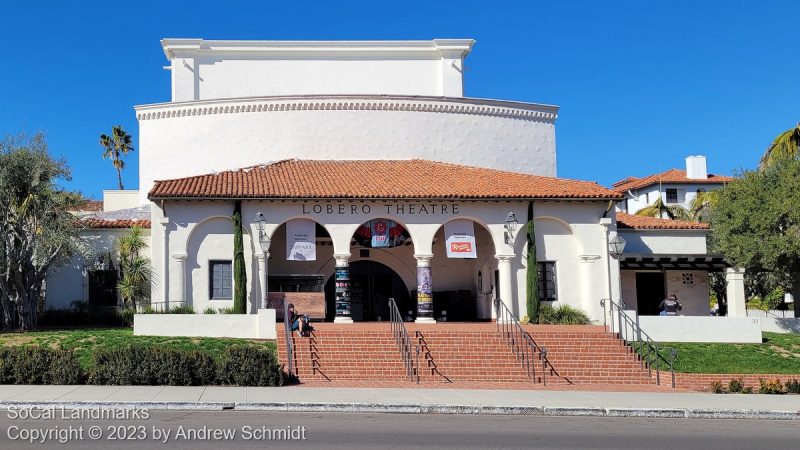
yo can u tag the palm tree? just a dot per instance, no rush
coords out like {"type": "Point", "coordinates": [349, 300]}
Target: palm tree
{"type": "Point", "coordinates": [702, 204]}
{"type": "Point", "coordinates": [116, 145]}
{"type": "Point", "coordinates": [659, 209]}
{"type": "Point", "coordinates": [785, 146]}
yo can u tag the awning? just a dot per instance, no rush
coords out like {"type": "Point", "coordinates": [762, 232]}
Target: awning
{"type": "Point", "coordinates": [641, 261]}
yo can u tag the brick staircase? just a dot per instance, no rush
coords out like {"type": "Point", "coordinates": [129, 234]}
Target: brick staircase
{"type": "Point", "coordinates": [461, 352]}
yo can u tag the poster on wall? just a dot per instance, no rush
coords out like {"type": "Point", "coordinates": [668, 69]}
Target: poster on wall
{"type": "Point", "coordinates": [301, 240]}
{"type": "Point", "coordinates": [460, 241]}
{"type": "Point", "coordinates": [424, 292]}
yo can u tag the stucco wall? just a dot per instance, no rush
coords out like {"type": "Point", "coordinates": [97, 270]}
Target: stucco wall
{"type": "Point", "coordinates": [69, 283]}
{"type": "Point", "coordinates": [646, 196]}
{"type": "Point", "coordinates": [240, 133]}
{"type": "Point", "coordinates": [682, 242]}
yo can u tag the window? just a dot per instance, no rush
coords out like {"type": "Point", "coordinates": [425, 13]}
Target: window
{"type": "Point", "coordinates": [547, 281]}
{"type": "Point", "coordinates": [221, 280]}
{"type": "Point", "coordinates": [672, 196]}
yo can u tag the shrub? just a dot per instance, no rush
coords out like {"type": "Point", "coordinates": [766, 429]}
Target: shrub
{"type": "Point", "coordinates": [747, 390]}
{"type": "Point", "coordinates": [140, 365]}
{"type": "Point", "coordinates": [250, 366]}
{"type": "Point", "coordinates": [562, 315]}
{"type": "Point", "coordinates": [793, 386]}
{"type": "Point", "coordinates": [209, 310]}
{"type": "Point", "coordinates": [83, 317]}
{"type": "Point", "coordinates": [772, 386]}
{"type": "Point", "coordinates": [37, 365]}
{"type": "Point", "coordinates": [717, 388]}
{"type": "Point", "coordinates": [228, 310]}
{"type": "Point", "coordinates": [736, 385]}
{"type": "Point", "coordinates": [181, 309]}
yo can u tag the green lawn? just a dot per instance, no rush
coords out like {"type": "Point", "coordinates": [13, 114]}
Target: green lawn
{"type": "Point", "coordinates": [84, 340]}
{"type": "Point", "coordinates": [779, 353]}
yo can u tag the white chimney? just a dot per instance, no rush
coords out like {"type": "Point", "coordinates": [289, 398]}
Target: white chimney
{"type": "Point", "coordinates": [696, 167]}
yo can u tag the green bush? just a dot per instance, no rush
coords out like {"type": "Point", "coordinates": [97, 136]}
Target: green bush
{"type": "Point", "coordinates": [83, 317]}
{"type": "Point", "coordinates": [209, 310]}
{"type": "Point", "coordinates": [37, 365]}
{"type": "Point", "coordinates": [181, 309]}
{"type": "Point", "coordinates": [793, 386]}
{"type": "Point", "coordinates": [717, 388]}
{"type": "Point", "coordinates": [226, 311]}
{"type": "Point", "coordinates": [772, 386]}
{"type": "Point", "coordinates": [562, 315]}
{"type": "Point", "coordinates": [141, 365]}
{"type": "Point", "coordinates": [250, 366]}
{"type": "Point", "coordinates": [736, 385]}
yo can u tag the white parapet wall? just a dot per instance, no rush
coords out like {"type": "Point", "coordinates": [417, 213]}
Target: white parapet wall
{"type": "Point", "coordinates": [740, 330]}
{"type": "Point", "coordinates": [780, 325]}
{"type": "Point", "coordinates": [243, 326]}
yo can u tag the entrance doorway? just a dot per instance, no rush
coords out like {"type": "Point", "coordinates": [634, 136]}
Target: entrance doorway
{"type": "Point", "coordinates": [650, 290]}
{"type": "Point", "coordinates": [371, 286]}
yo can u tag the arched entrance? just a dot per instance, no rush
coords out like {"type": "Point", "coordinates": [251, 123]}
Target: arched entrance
{"type": "Point", "coordinates": [371, 286]}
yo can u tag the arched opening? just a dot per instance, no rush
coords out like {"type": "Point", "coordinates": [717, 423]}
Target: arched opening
{"type": "Point", "coordinates": [462, 270]}
{"type": "Point", "coordinates": [372, 284]}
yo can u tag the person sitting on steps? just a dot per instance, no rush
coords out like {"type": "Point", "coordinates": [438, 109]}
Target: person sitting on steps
{"type": "Point", "coordinates": [299, 322]}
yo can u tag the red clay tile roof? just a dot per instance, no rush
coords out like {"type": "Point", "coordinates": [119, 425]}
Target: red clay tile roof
{"type": "Point", "coordinates": [381, 179]}
{"type": "Point", "coordinates": [89, 205]}
{"type": "Point", "coordinates": [93, 222]}
{"type": "Point", "coordinates": [627, 221]}
{"type": "Point", "coordinates": [672, 176]}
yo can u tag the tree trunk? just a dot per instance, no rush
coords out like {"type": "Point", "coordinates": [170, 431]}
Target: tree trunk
{"type": "Point", "coordinates": [796, 291]}
{"type": "Point", "coordinates": [532, 282]}
{"type": "Point", "coordinates": [119, 178]}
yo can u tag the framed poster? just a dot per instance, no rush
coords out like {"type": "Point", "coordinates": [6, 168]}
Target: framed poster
{"type": "Point", "coordinates": [301, 240]}
{"type": "Point", "coordinates": [460, 239]}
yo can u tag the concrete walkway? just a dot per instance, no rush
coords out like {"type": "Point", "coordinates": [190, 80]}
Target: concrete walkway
{"type": "Point", "coordinates": [457, 401]}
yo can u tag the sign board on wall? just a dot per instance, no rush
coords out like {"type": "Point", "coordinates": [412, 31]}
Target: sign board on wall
{"type": "Point", "coordinates": [460, 239]}
{"type": "Point", "coordinates": [301, 240]}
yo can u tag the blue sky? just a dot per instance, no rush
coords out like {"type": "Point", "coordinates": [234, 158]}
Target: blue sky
{"type": "Point", "coordinates": [640, 84]}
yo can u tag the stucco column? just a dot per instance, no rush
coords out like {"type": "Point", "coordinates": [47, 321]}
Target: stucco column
{"type": "Point", "coordinates": [342, 289]}
{"type": "Point", "coordinates": [164, 222]}
{"type": "Point", "coordinates": [735, 292]}
{"type": "Point", "coordinates": [180, 262]}
{"type": "Point", "coordinates": [506, 289]}
{"type": "Point", "coordinates": [424, 290]}
{"type": "Point", "coordinates": [263, 279]}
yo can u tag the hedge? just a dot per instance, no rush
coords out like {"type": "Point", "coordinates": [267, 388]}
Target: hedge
{"type": "Point", "coordinates": [141, 365]}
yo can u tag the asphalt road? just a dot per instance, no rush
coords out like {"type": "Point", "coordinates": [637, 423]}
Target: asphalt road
{"type": "Point", "coordinates": [379, 431]}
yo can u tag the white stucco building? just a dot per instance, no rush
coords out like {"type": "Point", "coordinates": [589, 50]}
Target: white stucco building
{"type": "Point", "coordinates": [376, 178]}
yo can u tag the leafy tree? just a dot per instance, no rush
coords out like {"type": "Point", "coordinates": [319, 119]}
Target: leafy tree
{"type": "Point", "coordinates": [239, 270]}
{"type": "Point", "coordinates": [532, 282]}
{"type": "Point", "coordinates": [659, 209]}
{"type": "Point", "coordinates": [135, 271]}
{"type": "Point", "coordinates": [115, 146]}
{"type": "Point", "coordinates": [785, 147]}
{"type": "Point", "coordinates": [37, 231]}
{"type": "Point", "coordinates": [757, 222]}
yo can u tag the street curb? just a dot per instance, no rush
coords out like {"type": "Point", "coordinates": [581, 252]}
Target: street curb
{"type": "Point", "coordinates": [673, 413]}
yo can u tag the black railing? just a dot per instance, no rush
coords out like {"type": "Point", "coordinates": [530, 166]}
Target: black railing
{"type": "Point", "coordinates": [522, 344]}
{"type": "Point", "coordinates": [287, 328]}
{"type": "Point", "coordinates": [618, 321]}
{"type": "Point", "coordinates": [403, 341]}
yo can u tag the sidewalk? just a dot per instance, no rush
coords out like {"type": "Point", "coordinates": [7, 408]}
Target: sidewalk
{"type": "Point", "coordinates": [439, 401]}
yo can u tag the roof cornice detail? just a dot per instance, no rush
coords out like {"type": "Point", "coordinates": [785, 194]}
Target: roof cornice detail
{"type": "Point", "coordinates": [436, 48]}
{"type": "Point", "coordinates": [446, 105]}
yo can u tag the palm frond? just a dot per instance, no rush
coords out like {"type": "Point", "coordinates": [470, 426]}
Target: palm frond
{"type": "Point", "coordinates": [785, 147]}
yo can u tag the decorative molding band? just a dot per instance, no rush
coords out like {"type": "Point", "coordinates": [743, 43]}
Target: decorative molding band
{"type": "Point", "coordinates": [448, 107]}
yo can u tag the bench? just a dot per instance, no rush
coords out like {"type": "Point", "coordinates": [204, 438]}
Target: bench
{"type": "Point", "coordinates": [311, 304]}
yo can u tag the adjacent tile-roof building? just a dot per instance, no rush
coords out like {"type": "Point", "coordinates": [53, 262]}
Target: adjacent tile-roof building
{"type": "Point", "coordinates": [672, 176]}
{"type": "Point", "coordinates": [378, 179]}
{"type": "Point", "coordinates": [628, 221]}
{"type": "Point", "coordinates": [122, 218]}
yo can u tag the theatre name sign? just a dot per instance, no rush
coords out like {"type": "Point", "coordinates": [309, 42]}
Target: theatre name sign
{"type": "Point", "coordinates": [396, 209]}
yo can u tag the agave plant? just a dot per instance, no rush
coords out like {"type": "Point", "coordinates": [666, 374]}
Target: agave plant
{"type": "Point", "coordinates": [135, 271]}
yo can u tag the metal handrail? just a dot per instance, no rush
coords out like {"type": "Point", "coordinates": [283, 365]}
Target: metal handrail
{"type": "Point", "coordinates": [522, 344]}
{"type": "Point", "coordinates": [641, 342]}
{"type": "Point", "coordinates": [403, 341]}
{"type": "Point", "coordinates": [289, 341]}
